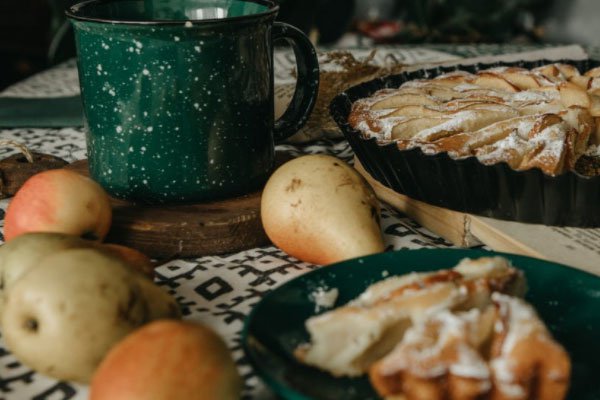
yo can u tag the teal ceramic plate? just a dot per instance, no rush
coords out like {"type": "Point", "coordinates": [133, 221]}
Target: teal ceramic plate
{"type": "Point", "coordinates": [568, 301]}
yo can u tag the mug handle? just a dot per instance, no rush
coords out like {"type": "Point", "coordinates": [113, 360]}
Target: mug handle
{"type": "Point", "coordinates": [307, 83]}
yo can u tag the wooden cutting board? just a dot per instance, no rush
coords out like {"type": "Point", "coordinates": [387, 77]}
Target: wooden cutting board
{"type": "Point", "coordinates": [577, 247]}
{"type": "Point", "coordinates": [186, 231]}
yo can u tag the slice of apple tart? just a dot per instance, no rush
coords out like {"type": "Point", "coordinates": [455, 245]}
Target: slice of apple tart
{"type": "Point", "coordinates": [458, 334]}
{"type": "Point", "coordinates": [502, 353]}
{"type": "Point", "coordinates": [347, 340]}
{"type": "Point", "coordinates": [541, 118]}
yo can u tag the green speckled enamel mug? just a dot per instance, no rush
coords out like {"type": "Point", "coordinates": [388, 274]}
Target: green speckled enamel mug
{"type": "Point", "coordinates": [178, 95]}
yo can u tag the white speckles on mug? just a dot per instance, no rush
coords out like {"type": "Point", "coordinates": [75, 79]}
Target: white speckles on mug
{"type": "Point", "coordinates": [178, 111]}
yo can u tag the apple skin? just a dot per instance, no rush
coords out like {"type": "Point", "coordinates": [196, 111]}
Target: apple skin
{"type": "Point", "coordinates": [168, 360]}
{"type": "Point", "coordinates": [59, 201]}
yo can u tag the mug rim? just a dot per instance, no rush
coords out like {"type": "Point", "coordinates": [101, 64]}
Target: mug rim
{"type": "Point", "coordinates": [74, 11]}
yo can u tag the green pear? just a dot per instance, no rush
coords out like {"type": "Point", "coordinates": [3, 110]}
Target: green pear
{"type": "Point", "coordinates": [26, 251]}
{"type": "Point", "coordinates": [62, 318]}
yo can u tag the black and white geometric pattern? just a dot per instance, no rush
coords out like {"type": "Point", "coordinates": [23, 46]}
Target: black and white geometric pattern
{"type": "Point", "coordinates": [60, 81]}
{"type": "Point", "coordinates": [216, 290]}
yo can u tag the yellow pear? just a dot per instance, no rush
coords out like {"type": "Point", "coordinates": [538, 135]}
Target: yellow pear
{"type": "Point", "coordinates": [320, 210]}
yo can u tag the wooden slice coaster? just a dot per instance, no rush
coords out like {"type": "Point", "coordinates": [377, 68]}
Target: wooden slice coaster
{"type": "Point", "coordinates": [186, 231]}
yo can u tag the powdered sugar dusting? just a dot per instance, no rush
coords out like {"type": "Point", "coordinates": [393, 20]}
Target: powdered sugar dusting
{"type": "Point", "coordinates": [517, 321]}
{"type": "Point", "coordinates": [420, 352]}
{"type": "Point", "coordinates": [457, 121]}
{"type": "Point", "coordinates": [324, 298]}
{"type": "Point", "coordinates": [421, 317]}
{"type": "Point", "coordinates": [422, 112]}
{"type": "Point", "coordinates": [536, 96]}
{"type": "Point", "coordinates": [593, 151]}
{"type": "Point", "coordinates": [465, 87]}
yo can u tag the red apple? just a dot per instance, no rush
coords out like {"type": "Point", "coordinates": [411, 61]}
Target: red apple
{"type": "Point", "coordinates": [59, 201]}
{"type": "Point", "coordinates": [168, 360]}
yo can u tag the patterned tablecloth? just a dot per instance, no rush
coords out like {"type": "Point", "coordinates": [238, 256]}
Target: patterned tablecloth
{"type": "Point", "coordinates": [215, 290]}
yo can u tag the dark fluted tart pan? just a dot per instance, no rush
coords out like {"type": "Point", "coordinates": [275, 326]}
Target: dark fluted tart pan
{"type": "Point", "coordinates": [466, 185]}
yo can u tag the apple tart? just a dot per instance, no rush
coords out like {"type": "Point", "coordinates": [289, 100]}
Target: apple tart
{"type": "Point", "coordinates": [502, 353]}
{"type": "Point", "coordinates": [459, 334]}
{"type": "Point", "coordinates": [345, 341]}
{"type": "Point", "coordinates": [545, 117]}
